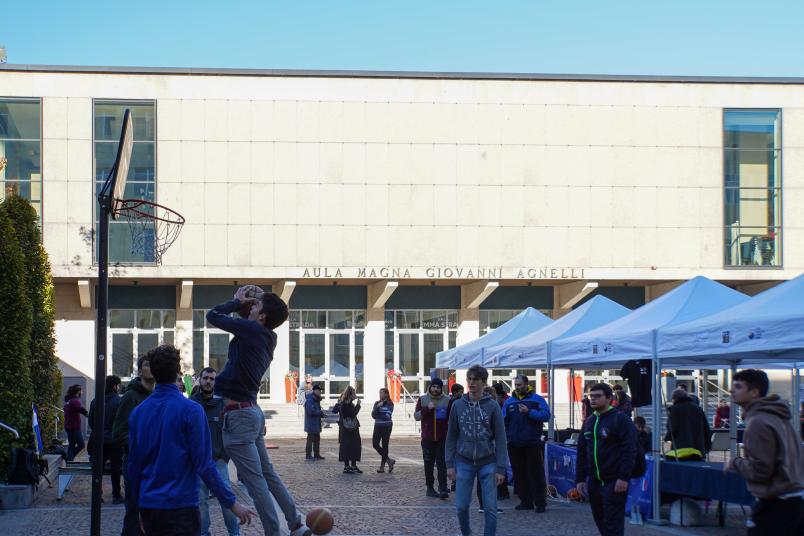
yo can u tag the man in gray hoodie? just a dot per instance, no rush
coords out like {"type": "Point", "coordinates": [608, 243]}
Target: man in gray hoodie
{"type": "Point", "coordinates": [476, 447]}
{"type": "Point", "coordinates": [773, 463]}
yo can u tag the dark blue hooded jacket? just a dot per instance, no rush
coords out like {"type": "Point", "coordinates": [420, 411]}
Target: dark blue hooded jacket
{"type": "Point", "coordinates": [525, 429]}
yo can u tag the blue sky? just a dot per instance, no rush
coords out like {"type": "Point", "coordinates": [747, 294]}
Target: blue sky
{"type": "Point", "coordinates": [671, 37]}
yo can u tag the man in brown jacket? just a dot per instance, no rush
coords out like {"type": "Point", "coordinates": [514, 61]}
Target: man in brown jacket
{"type": "Point", "coordinates": [773, 466]}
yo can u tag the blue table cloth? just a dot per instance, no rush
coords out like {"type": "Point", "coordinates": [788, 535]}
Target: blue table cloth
{"type": "Point", "coordinates": [704, 480]}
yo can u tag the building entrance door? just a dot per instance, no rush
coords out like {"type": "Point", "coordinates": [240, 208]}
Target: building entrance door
{"type": "Point", "coordinates": [329, 359]}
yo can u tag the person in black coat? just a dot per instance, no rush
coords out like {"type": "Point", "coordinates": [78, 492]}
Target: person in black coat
{"type": "Point", "coordinates": [112, 452]}
{"type": "Point", "coordinates": [687, 428]}
{"type": "Point", "coordinates": [349, 431]}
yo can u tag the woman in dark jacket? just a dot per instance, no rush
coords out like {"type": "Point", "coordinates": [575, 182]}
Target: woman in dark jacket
{"type": "Point", "coordinates": [349, 431]}
{"type": "Point", "coordinates": [73, 409]}
{"type": "Point", "coordinates": [383, 424]}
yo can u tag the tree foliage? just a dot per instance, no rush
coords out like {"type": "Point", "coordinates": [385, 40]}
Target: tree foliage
{"type": "Point", "coordinates": [15, 342]}
{"type": "Point", "coordinates": [45, 373]}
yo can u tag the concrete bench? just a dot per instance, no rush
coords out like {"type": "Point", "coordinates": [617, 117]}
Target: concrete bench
{"type": "Point", "coordinates": [72, 470]}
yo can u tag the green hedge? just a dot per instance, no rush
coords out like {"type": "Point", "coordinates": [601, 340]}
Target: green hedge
{"type": "Point", "coordinates": [45, 373]}
{"type": "Point", "coordinates": [15, 342]}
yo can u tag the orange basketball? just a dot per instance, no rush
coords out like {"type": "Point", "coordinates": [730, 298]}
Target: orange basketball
{"type": "Point", "coordinates": [320, 520]}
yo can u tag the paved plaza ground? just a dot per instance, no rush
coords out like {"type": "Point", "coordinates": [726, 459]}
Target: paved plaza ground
{"type": "Point", "coordinates": [367, 504]}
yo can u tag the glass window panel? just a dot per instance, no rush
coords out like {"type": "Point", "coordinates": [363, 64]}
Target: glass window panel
{"type": "Point", "coordinates": [452, 319]}
{"type": "Point", "coordinates": [141, 167]}
{"type": "Point", "coordinates": [146, 342]}
{"type": "Point", "coordinates": [294, 350]}
{"type": "Point", "coordinates": [20, 119]}
{"type": "Point", "coordinates": [109, 120]}
{"type": "Point", "coordinates": [167, 337]}
{"type": "Point", "coordinates": [218, 350]}
{"type": "Point", "coordinates": [149, 319]}
{"type": "Point", "coordinates": [389, 350]}
{"type": "Point", "coordinates": [360, 387]}
{"type": "Point", "coordinates": [389, 320]}
{"type": "Point", "coordinates": [484, 320]}
{"type": "Point", "coordinates": [409, 353]}
{"type": "Point", "coordinates": [199, 316]}
{"type": "Point", "coordinates": [359, 355]}
{"type": "Point", "coordinates": [339, 319]}
{"type": "Point", "coordinates": [408, 320]}
{"type": "Point", "coordinates": [754, 129]}
{"type": "Point", "coordinates": [294, 320]}
{"type": "Point", "coordinates": [23, 160]}
{"type": "Point", "coordinates": [314, 354]}
{"type": "Point", "coordinates": [339, 354]}
{"type": "Point", "coordinates": [198, 351]}
{"type": "Point", "coordinates": [120, 244]}
{"type": "Point", "coordinates": [753, 246]}
{"type": "Point", "coordinates": [412, 386]}
{"type": "Point", "coordinates": [337, 387]}
{"type": "Point", "coordinates": [122, 354]}
{"type": "Point", "coordinates": [434, 319]}
{"type": "Point", "coordinates": [314, 319]}
{"type": "Point", "coordinates": [453, 339]}
{"type": "Point", "coordinates": [433, 343]}
{"type": "Point", "coordinates": [168, 318]}
{"type": "Point", "coordinates": [360, 319]}
{"type": "Point", "coordinates": [121, 318]}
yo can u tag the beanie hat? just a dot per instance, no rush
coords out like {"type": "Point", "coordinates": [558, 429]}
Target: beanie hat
{"type": "Point", "coordinates": [437, 381]}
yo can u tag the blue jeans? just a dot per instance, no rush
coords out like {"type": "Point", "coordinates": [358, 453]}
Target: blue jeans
{"type": "Point", "coordinates": [75, 443]}
{"type": "Point", "coordinates": [487, 475]}
{"type": "Point", "coordinates": [229, 519]}
{"type": "Point", "coordinates": [244, 440]}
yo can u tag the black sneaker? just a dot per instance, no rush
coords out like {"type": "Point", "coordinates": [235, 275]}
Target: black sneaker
{"type": "Point", "coordinates": [391, 463]}
{"type": "Point", "coordinates": [309, 458]}
{"type": "Point", "coordinates": [522, 506]}
{"type": "Point", "coordinates": [433, 493]}
{"type": "Point", "coordinates": [348, 470]}
{"type": "Point", "coordinates": [443, 494]}
{"type": "Point", "coordinates": [118, 500]}
{"type": "Point", "coordinates": [356, 469]}
{"type": "Point", "coordinates": [540, 508]}
{"type": "Point", "coordinates": [317, 457]}
{"type": "Point", "coordinates": [381, 469]}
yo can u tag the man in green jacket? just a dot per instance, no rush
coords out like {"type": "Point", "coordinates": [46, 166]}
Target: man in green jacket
{"type": "Point", "coordinates": [138, 390]}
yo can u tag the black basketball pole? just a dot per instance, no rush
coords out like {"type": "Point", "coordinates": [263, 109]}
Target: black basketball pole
{"type": "Point", "coordinates": [105, 208]}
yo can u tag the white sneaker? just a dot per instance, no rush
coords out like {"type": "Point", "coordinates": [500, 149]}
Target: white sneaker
{"type": "Point", "coordinates": [302, 530]}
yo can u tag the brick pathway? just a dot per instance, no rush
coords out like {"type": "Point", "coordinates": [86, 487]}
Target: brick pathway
{"type": "Point", "coordinates": [367, 504]}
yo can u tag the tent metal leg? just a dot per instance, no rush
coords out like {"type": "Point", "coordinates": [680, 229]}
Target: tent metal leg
{"type": "Point", "coordinates": [732, 419]}
{"type": "Point", "coordinates": [656, 436]}
{"type": "Point", "coordinates": [552, 403]}
{"type": "Point", "coordinates": [795, 399]}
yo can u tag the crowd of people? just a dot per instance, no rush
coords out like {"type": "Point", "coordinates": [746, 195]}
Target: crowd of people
{"type": "Point", "coordinates": [173, 451]}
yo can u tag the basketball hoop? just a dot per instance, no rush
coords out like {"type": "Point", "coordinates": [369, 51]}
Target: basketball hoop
{"type": "Point", "coordinates": [153, 227]}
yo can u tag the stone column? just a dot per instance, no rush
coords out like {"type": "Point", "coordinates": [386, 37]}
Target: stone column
{"type": "Point", "coordinates": [281, 363]}
{"type": "Point", "coordinates": [374, 339]}
{"type": "Point", "coordinates": [183, 333]}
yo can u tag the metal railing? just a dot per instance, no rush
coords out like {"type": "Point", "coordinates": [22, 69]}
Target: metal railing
{"type": "Point", "coordinates": [4, 426]}
{"type": "Point", "coordinates": [56, 431]}
{"type": "Point", "coordinates": [405, 394]}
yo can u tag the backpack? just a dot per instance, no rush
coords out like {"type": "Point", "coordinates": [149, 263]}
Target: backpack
{"type": "Point", "coordinates": [26, 468]}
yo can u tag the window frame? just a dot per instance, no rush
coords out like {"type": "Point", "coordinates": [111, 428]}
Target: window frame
{"type": "Point", "coordinates": [39, 101]}
{"type": "Point", "coordinates": [118, 101]}
{"type": "Point", "coordinates": [778, 186]}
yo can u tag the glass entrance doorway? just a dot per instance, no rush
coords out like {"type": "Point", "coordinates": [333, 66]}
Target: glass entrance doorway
{"type": "Point", "coordinates": [328, 346]}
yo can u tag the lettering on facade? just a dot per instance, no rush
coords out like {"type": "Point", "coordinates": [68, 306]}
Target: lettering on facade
{"type": "Point", "coordinates": [442, 272]}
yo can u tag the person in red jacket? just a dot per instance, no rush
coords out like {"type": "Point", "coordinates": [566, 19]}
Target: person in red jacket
{"type": "Point", "coordinates": [431, 410]}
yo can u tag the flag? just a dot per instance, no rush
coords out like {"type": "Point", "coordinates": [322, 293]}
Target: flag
{"type": "Point", "coordinates": [40, 449]}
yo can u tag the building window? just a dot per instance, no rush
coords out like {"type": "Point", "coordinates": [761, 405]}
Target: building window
{"type": "Point", "coordinates": [141, 180]}
{"type": "Point", "coordinates": [21, 150]}
{"type": "Point", "coordinates": [132, 332]}
{"type": "Point", "coordinates": [489, 321]}
{"type": "Point", "coordinates": [328, 345]}
{"type": "Point", "coordinates": [412, 340]}
{"type": "Point", "coordinates": [753, 187]}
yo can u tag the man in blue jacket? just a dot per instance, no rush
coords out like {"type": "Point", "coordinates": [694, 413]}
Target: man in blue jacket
{"type": "Point", "coordinates": [169, 448]}
{"type": "Point", "coordinates": [312, 424]}
{"type": "Point", "coordinates": [606, 455]}
{"type": "Point", "coordinates": [525, 414]}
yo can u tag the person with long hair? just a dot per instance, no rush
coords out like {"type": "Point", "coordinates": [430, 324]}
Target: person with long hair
{"type": "Point", "coordinates": [383, 424]}
{"type": "Point", "coordinates": [349, 431]}
{"type": "Point", "coordinates": [73, 409]}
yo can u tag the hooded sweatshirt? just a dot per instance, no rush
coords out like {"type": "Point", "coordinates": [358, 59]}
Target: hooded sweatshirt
{"type": "Point", "coordinates": [135, 394]}
{"type": "Point", "coordinates": [774, 462]}
{"type": "Point", "coordinates": [434, 421]}
{"type": "Point", "coordinates": [476, 434]}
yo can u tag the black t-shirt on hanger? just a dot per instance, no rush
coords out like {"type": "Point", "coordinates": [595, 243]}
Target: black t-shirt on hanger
{"type": "Point", "coordinates": [640, 381]}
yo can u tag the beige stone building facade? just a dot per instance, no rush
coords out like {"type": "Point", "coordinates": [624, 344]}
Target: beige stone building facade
{"type": "Point", "coordinates": [399, 214]}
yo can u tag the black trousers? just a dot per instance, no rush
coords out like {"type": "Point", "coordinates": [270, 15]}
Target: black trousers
{"type": "Point", "coordinates": [131, 521]}
{"type": "Point", "coordinates": [778, 517]}
{"type": "Point", "coordinates": [382, 434]}
{"type": "Point", "coordinates": [113, 453]}
{"type": "Point", "coordinates": [313, 446]}
{"type": "Point", "coordinates": [608, 508]}
{"type": "Point", "coordinates": [433, 454]}
{"type": "Point", "coordinates": [174, 522]}
{"type": "Point", "coordinates": [527, 464]}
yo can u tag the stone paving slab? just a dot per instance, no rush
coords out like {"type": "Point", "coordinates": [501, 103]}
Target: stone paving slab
{"type": "Point", "coordinates": [363, 505]}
